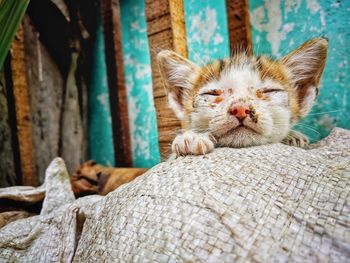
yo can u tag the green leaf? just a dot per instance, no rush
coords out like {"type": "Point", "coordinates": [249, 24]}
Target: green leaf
{"type": "Point", "coordinates": [11, 13]}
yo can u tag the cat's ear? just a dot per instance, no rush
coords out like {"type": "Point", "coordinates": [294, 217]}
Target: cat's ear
{"type": "Point", "coordinates": [305, 66]}
{"type": "Point", "coordinates": [178, 74]}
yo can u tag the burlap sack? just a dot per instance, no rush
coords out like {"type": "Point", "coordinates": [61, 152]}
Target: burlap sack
{"type": "Point", "coordinates": [268, 203]}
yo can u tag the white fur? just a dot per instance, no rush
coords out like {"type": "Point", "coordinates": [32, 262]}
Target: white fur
{"type": "Point", "coordinates": [176, 106]}
{"type": "Point", "coordinates": [308, 100]}
{"type": "Point", "coordinates": [179, 77]}
{"type": "Point", "coordinates": [274, 114]}
{"type": "Point", "coordinates": [303, 63]}
{"type": "Point", "coordinates": [303, 66]}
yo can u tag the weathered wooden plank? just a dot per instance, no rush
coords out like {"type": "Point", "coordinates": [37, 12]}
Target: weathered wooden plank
{"type": "Point", "coordinates": [159, 92]}
{"type": "Point", "coordinates": [45, 83]}
{"type": "Point", "coordinates": [100, 134]}
{"type": "Point", "coordinates": [159, 41]}
{"type": "Point", "coordinates": [161, 37]}
{"type": "Point", "coordinates": [7, 165]}
{"type": "Point", "coordinates": [177, 15]}
{"type": "Point", "coordinates": [138, 76]}
{"type": "Point", "coordinates": [116, 82]}
{"type": "Point", "coordinates": [21, 99]}
{"type": "Point", "coordinates": [160, 24]}
{"type": "Point", "coordinates": [239, 25]}
{"type": "Point", "coordinates": [156, 8]}
{"type": "Point", "coordinates": [167, 136]}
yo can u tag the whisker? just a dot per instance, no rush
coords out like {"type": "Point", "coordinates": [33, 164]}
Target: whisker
{"type": "Point", "coordinates": [309, 128]}
{"type": "Point", "coordinates": [325, 112]}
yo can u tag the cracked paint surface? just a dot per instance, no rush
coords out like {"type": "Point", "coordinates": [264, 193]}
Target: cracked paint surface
{"type": "Point", "coordinates": [138, 77]}
{"type": "Point", "coordinates": [100, 137]}
{"type": "Point", "coordinates": [206, 27]}
{"type": "Point", "coordinates": [280, 26]}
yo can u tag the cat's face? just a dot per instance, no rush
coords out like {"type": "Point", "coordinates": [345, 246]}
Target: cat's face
{"type": "Point", "coordinates": [245, 100]}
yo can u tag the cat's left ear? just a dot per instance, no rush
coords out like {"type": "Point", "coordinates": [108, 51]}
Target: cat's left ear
{"type": "Point", "coordinates": [305, 66]}
{"type": "Point", "coordinates": [178, 74]}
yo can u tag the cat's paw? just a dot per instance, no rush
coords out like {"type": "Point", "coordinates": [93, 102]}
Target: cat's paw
{"type": "Point", "coordinates": [297, 139]}
{"type": "Point", "coordinates": [192, 143]}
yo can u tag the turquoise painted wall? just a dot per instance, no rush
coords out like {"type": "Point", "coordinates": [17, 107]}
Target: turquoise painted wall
{"type": "Point", "coordinates": [280, 26]}
{"type": "Point", "coordinates": [206, 28]}
{"type": "Point", "coordinates": [100, 139]}
{"type": "Point", "coordinates": [138, 75]}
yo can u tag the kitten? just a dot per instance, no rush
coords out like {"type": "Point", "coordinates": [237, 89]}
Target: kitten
{"type": "Point", "coordinates": [244, 100]}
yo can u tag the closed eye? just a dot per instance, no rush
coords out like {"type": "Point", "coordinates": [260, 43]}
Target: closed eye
{"type": "Point", "coordinates": [213, 93]}
{"type": "Point", "coordinates": [271, 90]}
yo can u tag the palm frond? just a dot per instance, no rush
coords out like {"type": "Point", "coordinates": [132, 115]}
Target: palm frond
{"type": "Point", "coordinates": [11, 13]}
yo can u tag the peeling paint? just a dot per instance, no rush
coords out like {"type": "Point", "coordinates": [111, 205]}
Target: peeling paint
{"type": "Point", "coordinates": [269, 19]}
{"type": "Point", "coordinates": [207, 33]}
{"type": "Point", "coordinates": [280, 26]}
{"type": "Point", "coordinates": [292, 5]}
{"type": "Point", "coordinates": [313, 6]}
{"type": "Point", "coordinates": [204, 25]}
{"type": "Point", "coordinates": [103, 99]}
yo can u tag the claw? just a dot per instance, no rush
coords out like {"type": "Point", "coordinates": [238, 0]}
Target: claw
{"type": "Point", "coordinates": [213, 138]}
{"type": "Point", "coordinates": [187, 146]}
{"type": "Point", "coordinates": [295, 138]}
{"type": "Point", "coordinates": [191, 143]}
{"type": "Point", "coordinates": [200, 149]}
{"type": "Point", "coordinates": [177, 149]}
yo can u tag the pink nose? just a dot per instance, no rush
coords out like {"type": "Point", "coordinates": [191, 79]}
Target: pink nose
{"type": "Point", "coordinates": [239, 111]}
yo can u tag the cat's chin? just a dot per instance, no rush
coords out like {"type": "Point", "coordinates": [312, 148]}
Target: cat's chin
{"type": "Point", "coordinates": [241, 130]}
{"type": "Point", "coordinates": [241, 136]}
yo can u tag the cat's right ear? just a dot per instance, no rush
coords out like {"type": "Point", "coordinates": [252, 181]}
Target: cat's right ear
{"type": "Point", "coordinates": [178, 74]}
